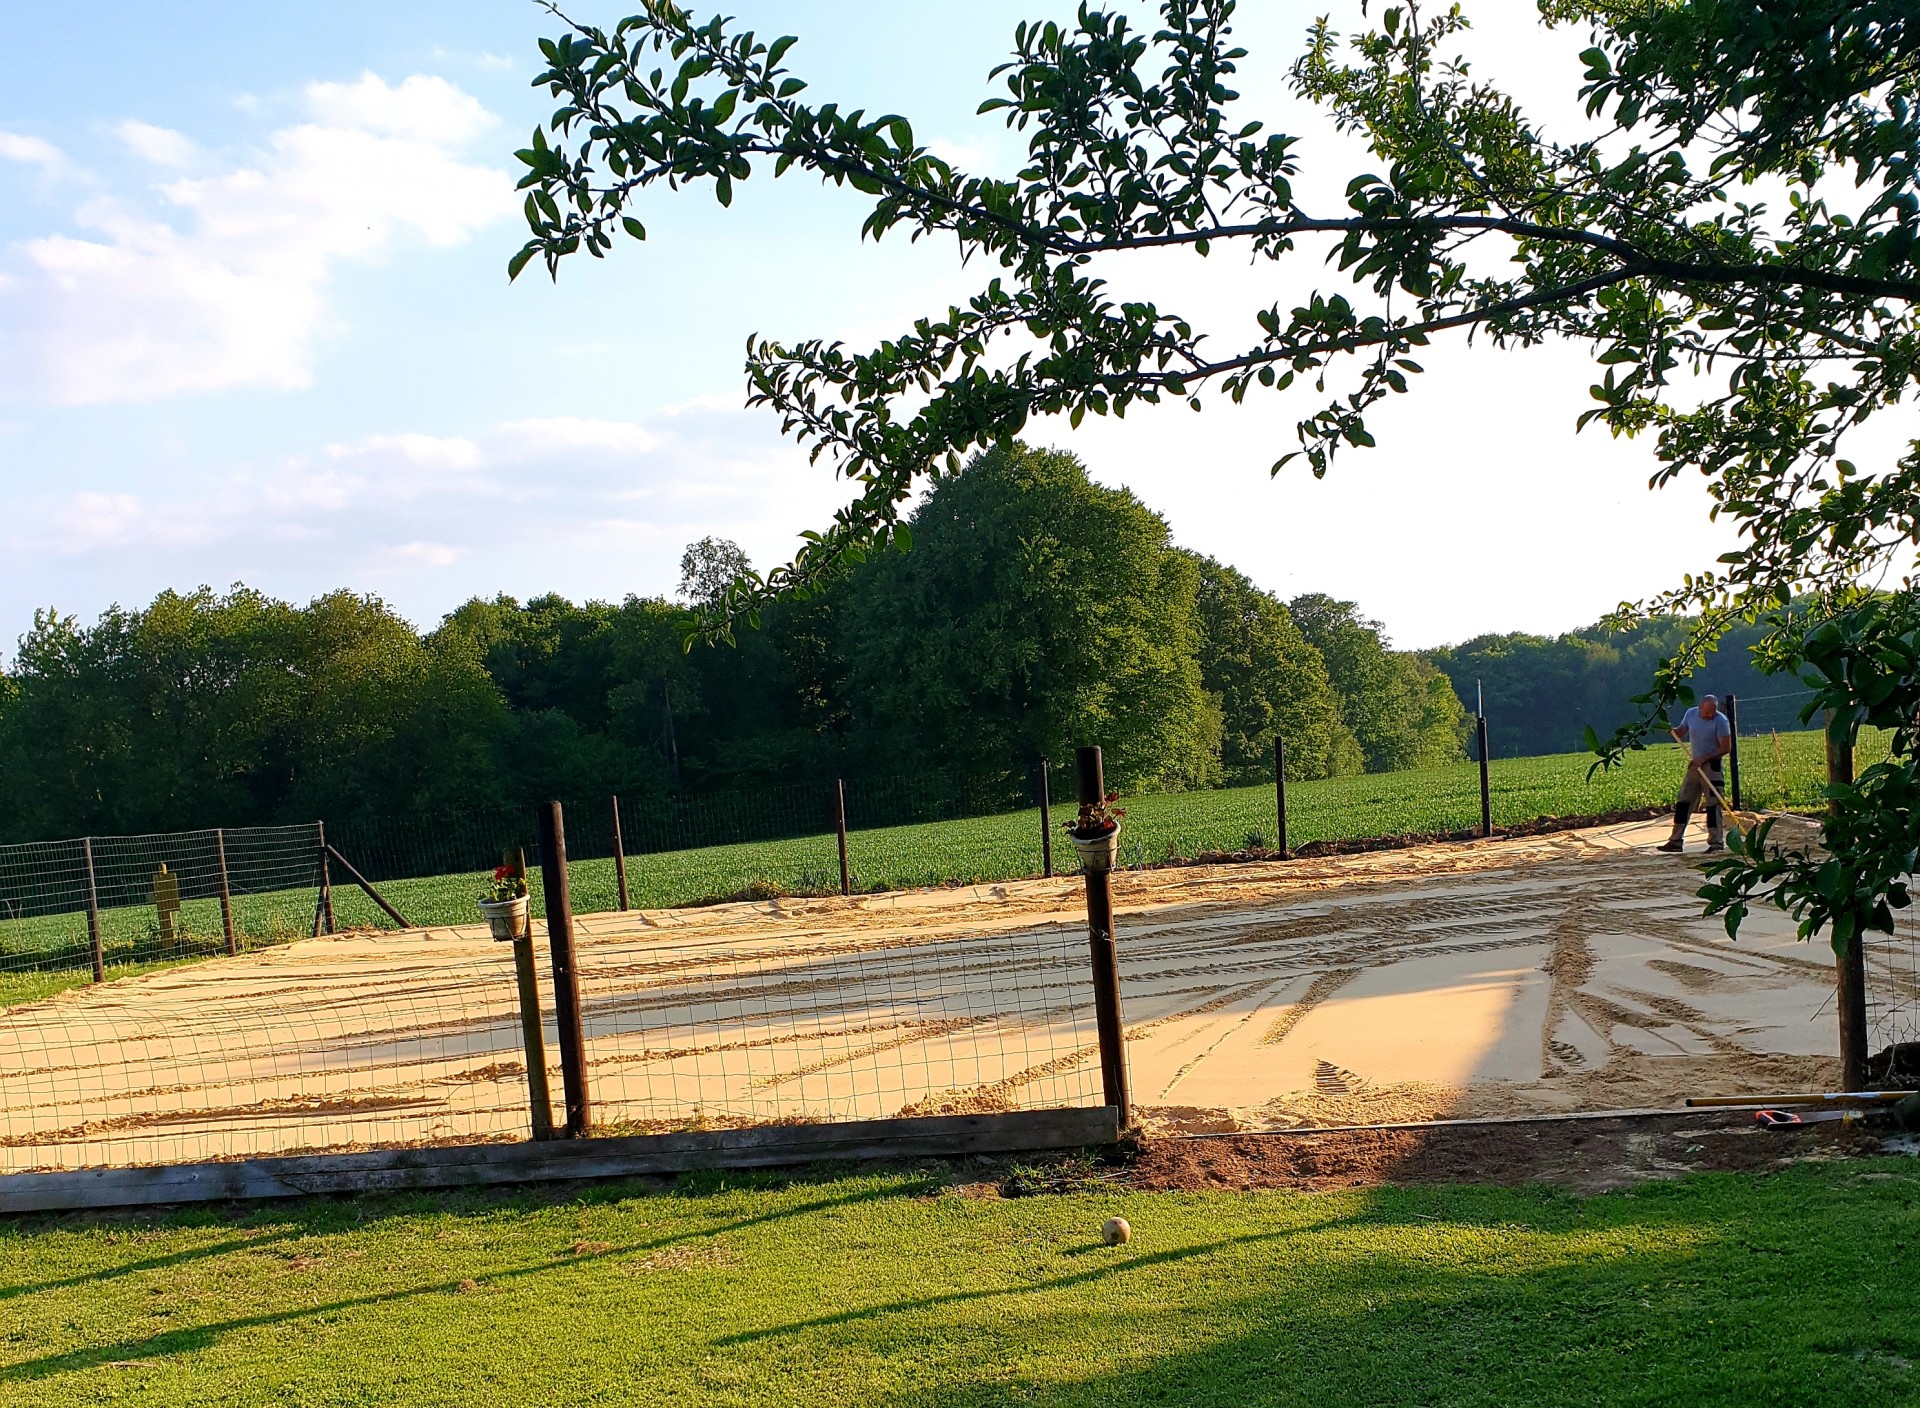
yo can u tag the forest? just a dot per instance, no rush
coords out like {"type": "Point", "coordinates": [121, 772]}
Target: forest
{"type": "Point", "coordinates": [1035, 610]}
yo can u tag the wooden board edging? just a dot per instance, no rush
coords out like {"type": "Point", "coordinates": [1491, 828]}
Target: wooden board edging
{"type": "Point", "coordinates": [474, 1165]}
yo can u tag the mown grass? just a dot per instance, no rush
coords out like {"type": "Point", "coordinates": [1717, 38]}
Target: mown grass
{"type": "Point", "coordinates": [1785, 769]}
{"type": "Point", "coordinates": [895, 1289]}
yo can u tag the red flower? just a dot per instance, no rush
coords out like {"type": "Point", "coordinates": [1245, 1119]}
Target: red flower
{"type": "Point", "coordinates": [501, 872]}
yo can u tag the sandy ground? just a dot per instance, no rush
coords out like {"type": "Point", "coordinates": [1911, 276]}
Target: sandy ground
{"type": "Point", "coordinates": [1556, 973]}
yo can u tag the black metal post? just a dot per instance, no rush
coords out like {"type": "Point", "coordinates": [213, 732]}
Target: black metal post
{"type": "Point", "coordinates": [566, 971]}
{"type": "Point", "coordinates": [1046, 820]}
{"type": "Point", "coordinates": [226, 892]}
{"type": "Point", "coordinates": [93, 913]}
{"type": "Point", "coordinates": [840, 830]}
{"type": "Point", "coordinates": [619, 854]}
{"type": "Point", "coordinates": [1280, 792]}
{"type": "Point", "coordinates": [1733, 737]}
{"type": "Point", "coordinates": [533, 1037]}
{"type": "Point", "coordinates": [323, 903]}
{"type": "Point", "coordinates": [1486, 793]}
{"type": "Point", "coordinates": [1091, 783]}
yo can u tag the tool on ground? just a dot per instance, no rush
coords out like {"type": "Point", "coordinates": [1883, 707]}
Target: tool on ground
{"type": "Point", "coordinates": [1786, 1119]}
{"type": "Point", "coordinates": [1838, 1097]}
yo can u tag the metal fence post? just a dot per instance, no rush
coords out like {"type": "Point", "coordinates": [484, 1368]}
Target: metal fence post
{"type": "Point", "coordinates": [1046, 820]}
{"type": "Point", "coordinates": [1486, 793]}
{"type": "Point", "coordinates": [226, 892]}
{"type": "Point", "coordinates": [1733, 737]}
{"type": "Point", "coordinates": [1850, 968]}
{"type": "Point", "coordinates": [840, 829]}
{"type": "Point", "coordinates": [93, 912]}
{"type": "Point", "coordinates": [566, 972]}
{"type": "Point", "coordinates": [532, 1035]}
{"type": "Point", "coordinates": [619, 853]}
{"type": "Point", "coordinates": [323, 902]}
{"type": "Point", "coordinates": [1090, 779]}
{"type": "Point", "coordinates": [1280, 791]}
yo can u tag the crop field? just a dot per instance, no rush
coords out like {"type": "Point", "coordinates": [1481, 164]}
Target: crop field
{"type": "Point", "coordinates": [39, 956]}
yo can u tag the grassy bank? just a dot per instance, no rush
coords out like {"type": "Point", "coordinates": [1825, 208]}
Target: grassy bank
{"type": "Point", "coordinates": [896, 1289]}
{"type": "Point", "coordinates": [1779, 770]}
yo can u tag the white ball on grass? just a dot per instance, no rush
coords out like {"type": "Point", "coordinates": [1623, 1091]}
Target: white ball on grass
{"type": "Point", "coordinates": [1117, 1232]}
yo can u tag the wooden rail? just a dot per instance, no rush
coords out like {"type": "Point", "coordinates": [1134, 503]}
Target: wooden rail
{"type": "Point", "coordinates": [470, 1165]}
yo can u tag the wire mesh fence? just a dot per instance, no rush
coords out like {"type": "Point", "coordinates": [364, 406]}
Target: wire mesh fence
{"type": "Point", "coordinates": [707, 1032]}
{"type": "Point", "coordinates": [369, 1040]}
{"type": "Point", "coordinates": [416, 1039]}
{"type": "Point", "coordinates": [111, 902]}
{"type": "Point", "coordinates": [384, 1037]}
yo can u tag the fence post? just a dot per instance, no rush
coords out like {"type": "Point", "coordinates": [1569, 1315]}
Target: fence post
{"type": "Point", "coordinates": [1280, 791]}
{"type": "Point", "coordinates": [93, 913]}
{"type": "Point", "coordinates": [566, 972]}
{"type": "Point", "coordinates": [1486, 794]}
{"type": "Point", "coordinates": [1850, 968]}
{"type": "Point", "coordinates": [1090, 779]}
{"type": "Point", "coordinates": [840, 829]}
{"type": "Point", "coordinates": [1733, 737]}
{"type": "Point", "coordinates": [1046, 820]}
{"type": "Point", "coordinates": [619, 853]}
{"type": "Point", "coordinates": [323, 902]}
{"type": "Point", "coordinates": [226, 892]}
{"type": "Point", "coordinates": [532, 1035]}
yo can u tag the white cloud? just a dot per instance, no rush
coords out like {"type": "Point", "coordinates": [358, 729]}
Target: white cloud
{"type": "Point", "coordinates": [590, 508]}
{"type": "Point", "coordinates": [423, 108]}
{"type": "Point", "coordinates": [222, 283]}
{"type": "Point", "coordinates": [32, 150]}
{"type": "Point", "coordinates": [160, 145]}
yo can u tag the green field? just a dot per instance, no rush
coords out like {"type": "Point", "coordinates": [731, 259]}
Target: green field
{"type": "Point", "coordinates": [897, 1289]}
{"type": "Point", "coordinates": [1779, 770]}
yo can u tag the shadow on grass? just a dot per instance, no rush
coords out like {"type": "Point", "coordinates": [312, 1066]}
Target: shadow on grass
{"type": "Point", "coordinates": [320, 1217]}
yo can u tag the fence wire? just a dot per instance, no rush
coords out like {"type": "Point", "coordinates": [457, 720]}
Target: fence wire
{"type": "Point", "coordinates": [372, 1040]}
{"type": "Point", "coordinates": [703, 1032]}
{"type": "Point", "coordinates": [135, 900]}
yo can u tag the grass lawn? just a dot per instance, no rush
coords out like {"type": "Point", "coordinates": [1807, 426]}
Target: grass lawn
{"type": "Point", "coordinates": [1783, 769]}
{"type": "Point", "coordinates": [893, 1288]}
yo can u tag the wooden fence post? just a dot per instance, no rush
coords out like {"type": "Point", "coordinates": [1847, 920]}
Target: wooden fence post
{"type": "Point", "coordinates": [1280, 792]}
{"type": "Point", "coordinates": [226, 892]}
{"type": "Point", "coordinates": [619, 854]}
{"type": "Point", "coordinates": [840, 829]}
{"type": "Point", "coordinates": [93, 912]}
{"type": "Point", "coordinates": [1486, 793]}
{"type": "Point", "coordinates": [1091, 782]}
{"type": "Point", "coordinates": [566, 972]}
{"type": "Point", "coordinates": [1850, 968]}
{"type": "Point", "coordinates": [1733, 758]}
{"type": "Point", "coordinates": [533, 1037]}
{"type": "Point", "coordinates": [1046, 820]}
{"type": "Point", "coordinates": [353, 874]}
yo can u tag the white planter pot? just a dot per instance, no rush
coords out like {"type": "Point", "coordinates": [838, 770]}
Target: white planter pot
{"type": "Point", "coordinates": [1097, 852]}
{"type": "Point", "coordinates": [507, 918]}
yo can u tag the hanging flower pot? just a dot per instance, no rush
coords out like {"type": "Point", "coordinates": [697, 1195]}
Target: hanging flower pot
{"type": "Point", "coordinates": [504, 905]}
{"type": "Point", "coordinates": [1095, 832]}
{"type": "Point", "coordinates": [506, 918]}
{"type": "Point", "coordinates": [1097, 852]}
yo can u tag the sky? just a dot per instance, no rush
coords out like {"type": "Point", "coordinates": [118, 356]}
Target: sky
{"type": "Point", "coordinates": [255, 327]}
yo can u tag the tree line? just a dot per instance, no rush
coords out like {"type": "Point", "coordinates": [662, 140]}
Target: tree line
{"type": "Point", "coordinates": [1035, 610]}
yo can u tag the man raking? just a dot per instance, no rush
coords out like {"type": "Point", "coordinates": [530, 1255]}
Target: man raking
{"type": "Point", "coordinates": [1709, 738]}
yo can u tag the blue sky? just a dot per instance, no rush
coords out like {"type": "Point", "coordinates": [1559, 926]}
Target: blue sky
{"type": "Point", "coordinates": [255, 326]}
